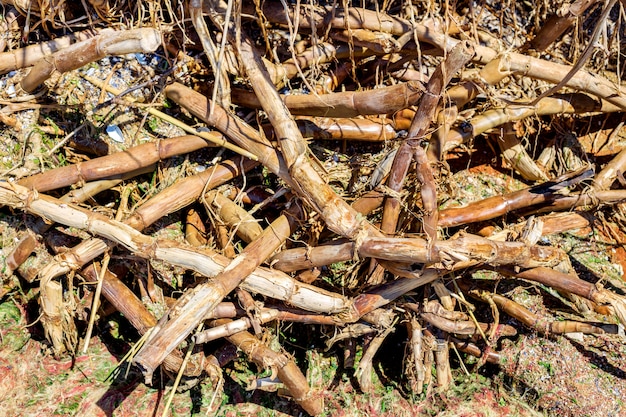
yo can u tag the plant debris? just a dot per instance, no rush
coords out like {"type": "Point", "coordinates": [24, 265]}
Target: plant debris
{"type": "Point", "coordinates": [390, 209]}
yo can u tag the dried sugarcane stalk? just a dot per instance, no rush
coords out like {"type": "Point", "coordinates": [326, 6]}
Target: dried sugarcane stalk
{"type": "Point", "coordinates": [107, 42]}
{"type": "Point", "coordinates": [442, 365]}
{"type": "Point", "coordinates": [463, 247]}
{"type": "Point", "coordinates": [30, 55]}
{"type": "Point", "coordinates": [470, 348]}
{"type": "Point", "coordinates": [558, 202]}
{"type": "Point", "coordinates": [574, 285]}
{"type": "Point", "coordinates": [234, 216]}
{"type": "Point", "coordinates": [610, 172]}
{"type": "Point", "coordinates": [558, 23]}
{"type": "Point", "coordinates": [411, 148]}
{"type": "Point", "coordinates": [345, 104]}
{"type": "Point", "coordinates": [196, 303]}
{"type": "Point", "coordinates": [345, 129]}
{"type": "Point", "coordinates": [535, 321]}
{"type": "Point", "coordinates": [364, 370]}
{"type": "Point", "coordinates": [337, 214]}
{"type": "Point", "coordinates": [416, 364]}
{"type": "Point", "coordinates": [20, 253]}
{"type": "Point", "coordinates": [281, 365]}
{"type": "Point", "coordinates": [113, 165]}
{"type": "Point", "coordinates": [496, 206]}
{"type": "Point", "coordinates": [514, 153]}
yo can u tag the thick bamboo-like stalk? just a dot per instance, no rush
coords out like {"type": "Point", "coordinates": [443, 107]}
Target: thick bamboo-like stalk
{"type": "Point", "coordinates": [557, 202]}
{"type": "Point", "coordinates": [107, 42]}
{"type": "Point", "coordinates": [30, 55]}
{"type": "Point", "coordinates": [337, 214]}
{"type": "Point", "coordinates": [57, 320]}
{"type": "Point", "coordinates": [496, 206]}
{"type": "Point", "coordinates": [233, 215]}
{"type": "Point", "coordinates": [382, 100]}
{"type": "Point", "coordinates": [610, 171]}
{"type": "Point", "coordinates": [20, 253]}
{"type": "Point", "coordinates": [558, 23]}
{"type": "Point", "coordinates": [575, 285]}
{"type": "Point", "coordinates": [113, 165]}
{"type": "Point", "coordinates": [197, 302]}
{"type": "Point", "coordinates": [442, 366]}
{"type": "Point", "coordinates": [461, 248]}
{"type": "Point", "coordinates": [535, 321]}
{"type": "Point", "coordinates": [283, 366]}
{"type": "Point", "coordinates": [345, 129]}
{"type": "Point", "coordinates": [514, 153]}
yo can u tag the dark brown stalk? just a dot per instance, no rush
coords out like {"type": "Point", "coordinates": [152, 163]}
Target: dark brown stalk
{"type": "Point", "coordinates": [497, 206]}
{"type": "Point", "coordinates": [472, 349]}
{"type": "Point", "coordinates": [114, 165]}
{"type": "Point", "coordinates": [557, 24]}
{"type": "Point", "coordinates": [541, 324]}
{"type": "Point", "coordinates": [411, 149]}
{"type": "Point", "coordinates": [196, 303]}
{"type": "Point", "coordinates": [574, 285]}
{"type": "Point", "coordinates": [285, 368]}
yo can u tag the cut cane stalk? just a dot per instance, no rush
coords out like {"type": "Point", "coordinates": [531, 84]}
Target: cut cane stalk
{"type": "Point", "coordinates": [281, 365]}
{"type": "Point", "coordinates": [575, 285]}
{"type": "Point", "coordinates": [107, 42]}
{"type": "Point", "coordinates": [462, 248]}
{"type": "Point", "coordinates": [113, 165]}
{"type": "Point", "coordinates": [233, 216]}
{"type": "Point", "coordinates": [30, 55]}
{"type": "Point", "coordinates": [382, 100]}
{"type": "Point", "coordinates": [496, 206]}
{"type": "Point", "coordinates": [541, 324]}
{"type": "Point", "coordinates": [337, 214]}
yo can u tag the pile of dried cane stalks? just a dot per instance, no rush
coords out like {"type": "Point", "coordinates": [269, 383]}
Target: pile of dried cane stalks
{"type": "Point", "coordinates": [223, 167]}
